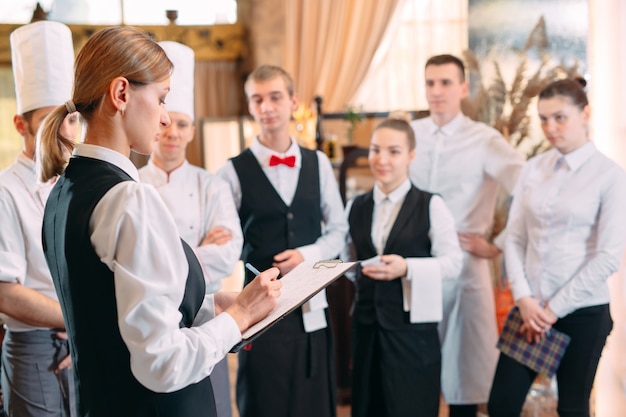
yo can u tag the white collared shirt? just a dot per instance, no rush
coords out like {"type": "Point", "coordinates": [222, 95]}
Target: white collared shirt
{"type": "Point", "coordinates": [464, 162]}
{"type": "Point", "coordinates": [22, 201]}
{"type": "Point", "coordinates": [566, 230]}
{"type": "Point", "coordinates": [285, 180]}
{"type": "Point", "coordinates": [422, 287]}
{"type": "Point", "coordinates": [134, 234]}
{"type": "Point", "coordinates": [468, 164]}
{"type": "Point", "coordinates": [386, 209]}
{"type": "Point", "coordinates": [200, 201]}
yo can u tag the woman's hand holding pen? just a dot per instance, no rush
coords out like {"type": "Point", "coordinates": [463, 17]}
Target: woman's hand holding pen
{"type": "Point", "coordinates": [537, 319]}
{"type": "Point", "coordinates": [394, 267]}
{"type": "Point", "coordinates": [256, 300]}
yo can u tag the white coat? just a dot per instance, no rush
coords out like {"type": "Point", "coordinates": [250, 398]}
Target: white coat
{"type": "Point", "coordinates": [22, 200]}
{"type": "Point", "coordinates": [200, 201]}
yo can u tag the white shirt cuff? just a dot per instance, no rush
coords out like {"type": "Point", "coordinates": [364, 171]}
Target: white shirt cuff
{"type": "Point", "coordinates": [422, 290]}
{"type": "Point", "coordinates": [313, 315]}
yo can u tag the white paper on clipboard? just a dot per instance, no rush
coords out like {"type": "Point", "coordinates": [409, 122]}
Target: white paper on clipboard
{"type": "Point", "coordinates": [299, 286]}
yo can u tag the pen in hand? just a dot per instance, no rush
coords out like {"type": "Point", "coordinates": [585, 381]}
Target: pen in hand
{"type": "Point", "coordinates": [255, 271]}
{"type": "Point", "coordinates": [252, 269]}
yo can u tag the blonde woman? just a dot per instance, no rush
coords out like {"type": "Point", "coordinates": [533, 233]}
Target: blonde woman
{"type": "Point", "coordinates": [143, 336]}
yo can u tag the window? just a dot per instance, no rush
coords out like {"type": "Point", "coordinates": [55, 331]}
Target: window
{"type": "Point", "coordinates": [131, 12]}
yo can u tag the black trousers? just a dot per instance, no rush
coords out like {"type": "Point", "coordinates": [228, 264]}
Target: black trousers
{"type": "Point", "coordinates": [588, 327]}
{"type": "Point", "coordinates": [396, 373]}
{"type": "Point", "coordinates": [287, 372]}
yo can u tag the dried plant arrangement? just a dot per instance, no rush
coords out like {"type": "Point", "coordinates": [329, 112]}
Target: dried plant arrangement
{"type": "Point", "coordinates": [508, 108]}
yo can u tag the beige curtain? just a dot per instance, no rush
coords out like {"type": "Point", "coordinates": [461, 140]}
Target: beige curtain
{"type": "Point", "coordinates": [329, 45]}
{"type": "Point", "coordinates": [218, 87]}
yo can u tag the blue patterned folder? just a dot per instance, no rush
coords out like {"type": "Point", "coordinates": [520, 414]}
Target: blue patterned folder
{"type": "Point", "coordinates": [543, 357]}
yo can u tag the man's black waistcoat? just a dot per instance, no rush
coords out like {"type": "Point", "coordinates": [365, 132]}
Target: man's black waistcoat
{"type": "Point", "coordinates": [270, 226]}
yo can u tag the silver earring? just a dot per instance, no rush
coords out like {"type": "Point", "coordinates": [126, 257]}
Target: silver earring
{"type": "Point", "coordinates": [122, 111]}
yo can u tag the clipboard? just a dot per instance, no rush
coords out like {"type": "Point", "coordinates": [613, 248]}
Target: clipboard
{"type": "Point", "coordinates": [299, 286]}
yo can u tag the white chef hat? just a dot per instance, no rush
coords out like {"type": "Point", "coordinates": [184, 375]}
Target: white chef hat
{"type": "Point", "coordinates": [180, 97]}
{"type": "Point", "coordinates": [42, 55]}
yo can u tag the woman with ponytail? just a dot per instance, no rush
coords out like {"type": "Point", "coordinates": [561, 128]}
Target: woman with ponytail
{"type": "Point", "coordinates": [143, 336]}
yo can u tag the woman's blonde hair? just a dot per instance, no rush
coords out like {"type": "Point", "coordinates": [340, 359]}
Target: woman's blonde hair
{"type": "Point", "coordinates": [119, 51]}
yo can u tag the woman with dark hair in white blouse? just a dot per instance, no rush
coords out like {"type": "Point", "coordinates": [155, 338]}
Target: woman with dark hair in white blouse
{"type": "Point", "coordinates": [566, 236]}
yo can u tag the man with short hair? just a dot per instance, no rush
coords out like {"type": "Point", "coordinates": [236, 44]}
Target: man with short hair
{"type": "Point", "coordinates": [290, 211]}
{"type": "Point", "coordinates": [467, 163]}
{"type": "Point", "coordinates": [35, 378]}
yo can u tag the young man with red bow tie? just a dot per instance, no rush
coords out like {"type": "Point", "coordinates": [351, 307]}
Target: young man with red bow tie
{"type": "Point", "coordinates": [290, 211]}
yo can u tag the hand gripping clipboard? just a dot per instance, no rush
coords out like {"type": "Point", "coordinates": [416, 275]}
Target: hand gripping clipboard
{"type": "Point", "coordinates": [299, 286]}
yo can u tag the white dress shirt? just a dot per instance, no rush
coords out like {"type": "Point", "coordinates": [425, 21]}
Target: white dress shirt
{"type": "Point", "coordinates": [334, 228]}
{"type": "Point", "coordinates": [134, 234]}
{"type": "Point", "coordinates": [422, 286]}
{"type": "Point", "coordinates": [22, 201]}
{"type": "Point", "coordinates": [566, 229]}
{"type": "Point", "coordinates": [467, 163]}
{"type": "Point", "coordinates": [200, 201]}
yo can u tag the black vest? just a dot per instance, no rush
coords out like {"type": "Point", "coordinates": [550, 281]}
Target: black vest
{"type": "Point", "coordinates": [270, 226]}
{"type": "Point", "coordinates": [104, 383]}
{"type": "Point", "coordinates": [381, 301]}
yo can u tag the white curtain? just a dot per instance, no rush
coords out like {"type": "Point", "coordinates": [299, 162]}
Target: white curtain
{"type": "Point", "coordinates": [329, 45]}
{"type": "Point", "coordinates": [418, 30]}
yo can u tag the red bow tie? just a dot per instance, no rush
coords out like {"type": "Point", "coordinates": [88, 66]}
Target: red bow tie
{"type": "Point", "coordinates": [290, 161]}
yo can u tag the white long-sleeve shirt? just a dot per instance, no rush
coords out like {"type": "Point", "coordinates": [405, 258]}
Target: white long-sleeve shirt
{"type": "Point", "coordinates": [285, 180]}
{"type": "Point", "coordinates": [566, 230]}
{"type": "Point", "coordinates": [200, 201]}
{"type": "Point", "coordinates": [22, 201]}
{"type": "Point", "coordinates": [422, 286]}
{"type": "Point", "coordinates": [465, 162]}
{"type": "Point", "coordinates": [134, 234]}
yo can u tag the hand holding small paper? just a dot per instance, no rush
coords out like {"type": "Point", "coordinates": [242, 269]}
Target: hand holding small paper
{"type": "Point", "coordinates": [392, 267]}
